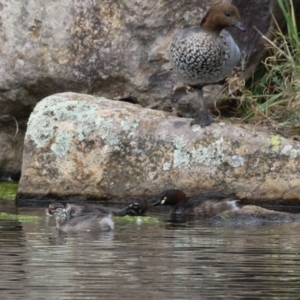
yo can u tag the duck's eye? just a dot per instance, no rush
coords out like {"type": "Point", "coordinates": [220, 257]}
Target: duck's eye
{"type": "Point", "coordinates": [227, 14]}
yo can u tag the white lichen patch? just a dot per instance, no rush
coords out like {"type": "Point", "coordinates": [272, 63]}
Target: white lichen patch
{"type": "Point", "coordinates": [196, 128]}
{"type": "Point", "coordinates": [62, 144]}
{"type": "Point", "coordinates": [167, 166]}
{"type": "Point", "coordinates": [213, 155]}
{"type": "Point", "coordinates": [126, 126]}
{"type": "Point", "coordinates": [288, 150]}
{"type": "Point", "coordinates": [106, 132]}
{"type": "Point", "coordinates": [129, 127]}
{"type": "Point", "coordinates": [181, 157]}
{"type": "Point", "coordinates": [236, 161]}
{"type": "Point", "coordinates": [216, 133]}
{"type": "Point", "coordinates": [79, 119]}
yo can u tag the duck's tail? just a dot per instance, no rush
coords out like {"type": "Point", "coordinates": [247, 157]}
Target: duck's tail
{"type": "Point", "coordinates": [107, 223]}
{"type": "Point", "coordinates": [212, 208]}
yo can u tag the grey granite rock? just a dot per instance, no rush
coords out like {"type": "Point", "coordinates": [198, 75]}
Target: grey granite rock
{"type": "Point", "coordinates": [94, 148]}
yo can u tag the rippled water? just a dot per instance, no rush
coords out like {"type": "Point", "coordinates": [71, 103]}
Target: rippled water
{"type": "Point", "coordinates": [169, 260]}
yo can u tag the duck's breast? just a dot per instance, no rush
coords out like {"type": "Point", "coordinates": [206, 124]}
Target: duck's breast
{"type": "Point", "coordinates": [200, 57]}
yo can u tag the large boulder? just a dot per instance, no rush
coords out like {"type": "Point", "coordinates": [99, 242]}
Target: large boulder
{"type": "Point", "coordinates": [88, 147]}
{"type": "Point", "coordinates": [115, 49]}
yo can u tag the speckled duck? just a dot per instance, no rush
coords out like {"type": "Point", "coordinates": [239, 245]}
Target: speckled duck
{"type": "Point", "coordinates": [206, 54]}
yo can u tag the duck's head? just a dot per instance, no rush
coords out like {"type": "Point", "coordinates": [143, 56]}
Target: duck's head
{"type": "Point", "coordinates": [51, 210]}
{"type": "Point", "coordinates": [170, 197]}
{"type": "Point", "coordinates": [220, 16]}
{"type": "Point", "coordinates": [59, 213]}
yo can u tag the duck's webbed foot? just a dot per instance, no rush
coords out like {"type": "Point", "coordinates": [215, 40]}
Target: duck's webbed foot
{"type": "Point", "coordinates": [204, 119]}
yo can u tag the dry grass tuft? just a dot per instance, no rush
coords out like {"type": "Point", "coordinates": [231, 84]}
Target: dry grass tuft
{"type": "Point", "coordinates": [272, 96]}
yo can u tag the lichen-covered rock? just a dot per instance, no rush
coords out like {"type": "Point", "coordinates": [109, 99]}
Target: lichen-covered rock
{"type": "Point", "coordinates": [110, 48]}
{"type": "Point", "coordinates": [95, 148]}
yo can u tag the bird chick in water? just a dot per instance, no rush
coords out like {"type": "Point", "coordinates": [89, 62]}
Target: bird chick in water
{"type": "Point", "coordinates": [88, 222]}
{"type": "Point", "coordinates": [137, 208]}
{"type": "Point", "coordinates": [206, 54]}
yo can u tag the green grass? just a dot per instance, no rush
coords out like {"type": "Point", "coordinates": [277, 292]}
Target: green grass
{"type": "Point", "coordinates": [138, 220]}
{"type": "Point", "coordinates": [21, 218]}
{"type": "Point", "coordinates": [8, 190]}
{"type": "Point", "coordinates": [272, 96]}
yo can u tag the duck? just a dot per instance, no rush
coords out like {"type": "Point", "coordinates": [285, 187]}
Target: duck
{"type": "Point", "coordinates": [74, 210]}
{"type": "Point", "coordinates": [205, 205]}
{"type": "Point", "coordinates": [87, 222]}
{"type": "Point", "coordinates": [205, 55]}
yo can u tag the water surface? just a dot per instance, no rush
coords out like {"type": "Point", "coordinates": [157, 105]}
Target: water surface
{"type": "Point", "coordinates": [168, 260]}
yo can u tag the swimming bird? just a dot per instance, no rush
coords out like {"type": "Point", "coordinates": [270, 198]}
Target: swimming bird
{"type": "Point", "coordinates": [88, 222]}
{"type": "Point", "coordinates": [205, 205]}
{"type": "Point", "coordinates": [206, 54]}
{"type": "Point", "coordinates": [74, 210]}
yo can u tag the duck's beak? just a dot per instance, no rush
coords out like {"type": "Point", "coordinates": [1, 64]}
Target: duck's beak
{"type": "Point", "coordinates": [240, 26]}
{"type": "Point", "coordinates": [50, 212]}
{"type": "Point", "coordinates": [155, 203]}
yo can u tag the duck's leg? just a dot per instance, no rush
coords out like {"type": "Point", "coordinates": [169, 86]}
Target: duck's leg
{"type": "Point", "coordinates": [204, 118]}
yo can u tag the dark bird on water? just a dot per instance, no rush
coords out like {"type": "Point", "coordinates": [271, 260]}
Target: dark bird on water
{"type": "Point", "coordinates": [204, 205]}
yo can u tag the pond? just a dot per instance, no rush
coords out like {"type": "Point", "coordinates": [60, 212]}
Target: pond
{"type": "Point", "coordinates": [150, 260]}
